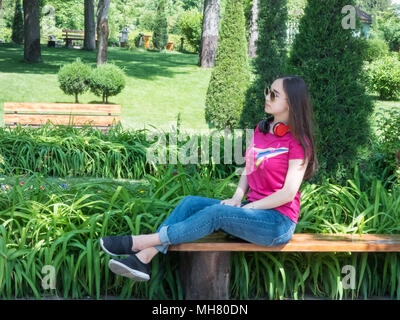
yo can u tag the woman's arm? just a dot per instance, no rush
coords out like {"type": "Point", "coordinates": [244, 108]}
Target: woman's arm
{"type": "Point", "coordinates": [293, 180]}
{"type": "Point", "coordinates": [242, 187]}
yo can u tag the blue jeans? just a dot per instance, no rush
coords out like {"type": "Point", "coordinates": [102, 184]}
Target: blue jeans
{"type": "Point", "coordinates": [196, 217]}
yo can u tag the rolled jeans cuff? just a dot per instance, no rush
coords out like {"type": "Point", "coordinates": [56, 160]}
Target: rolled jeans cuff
{"type": "Point", "coordinates": [162, 234]}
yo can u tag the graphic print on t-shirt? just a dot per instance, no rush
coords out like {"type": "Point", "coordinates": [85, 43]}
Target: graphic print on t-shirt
{"type": "Point", "coordinates": [261, 154]}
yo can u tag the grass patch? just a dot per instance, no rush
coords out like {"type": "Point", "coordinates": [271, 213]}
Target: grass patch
{"type": "Point", "coordinates": [158, 86]}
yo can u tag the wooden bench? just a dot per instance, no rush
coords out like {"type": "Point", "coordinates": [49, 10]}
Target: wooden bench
{"type": "Point", "coordinates": [204, 264]}
{"type": "Point", "coordinates": [35, 114]}
{"type": "Point", "coordinates": [70, 35]}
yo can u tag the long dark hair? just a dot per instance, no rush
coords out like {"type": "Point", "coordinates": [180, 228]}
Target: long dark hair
{"type": "Point", "coordinates": [301, 119]}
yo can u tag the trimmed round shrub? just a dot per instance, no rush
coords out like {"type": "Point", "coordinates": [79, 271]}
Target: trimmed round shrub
{"type": "Point", "coordinates": [74, 78]}
{"type": "Point", "coordinates": [376, 48]}
{"type": "Point", "coordinates": [384, 76]}
{"type": "Point", "coordinates": [107, 80]}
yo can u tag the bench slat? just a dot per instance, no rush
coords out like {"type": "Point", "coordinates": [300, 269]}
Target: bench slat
{"type": "Point", "coordinates": [34, 119]}
{"type": "Point", "coordinates": [74, 38]}
{"type": "Point", "coordinates": [61, 107]}
{"type": "Point", "coordinates": [73, 31]}
{"type": "Point", "coordinates": [304, 242]}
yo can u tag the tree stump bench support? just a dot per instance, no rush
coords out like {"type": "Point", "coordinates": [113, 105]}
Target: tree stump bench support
{"type": "Point", "coordinates": [33, 114]}
{"type": "Point", "coordinates": [204, 264]}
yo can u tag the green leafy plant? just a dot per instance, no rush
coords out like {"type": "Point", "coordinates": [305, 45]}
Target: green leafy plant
{"type": "Point", "coordinates": [107, 80]}
{"type": "Point", "coordinates": [376, 48]}
{"type": "Point", "coordinates": [74, 78]}
{"type": "Point", "coordinates": [384, 76]}
{"type": "Point", "coordinates": [5, 34]}
{"type": "Point", "coordinates": [190, 23]}
{"type": "Point", "coordinates": [388, 124]}
{"type": "Point", "coordinates": [60, 225]}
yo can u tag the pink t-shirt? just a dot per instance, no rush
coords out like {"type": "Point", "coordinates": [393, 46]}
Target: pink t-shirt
{"type": "Point", "coordinates": [267, 162]}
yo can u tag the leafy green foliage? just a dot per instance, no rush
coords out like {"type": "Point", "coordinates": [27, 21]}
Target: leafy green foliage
{"type": "Point", "coordinates": [69, 14]}
{"type": "Point", "coordinates": [59, 220]}
{"type": "Point", "coordinates": [107, 80]}
{"type": "Point", "coordinates": [230, 76]}
{"type": "Point", "coordinates": [388, 23]}
{"type": "Point", "coordinates": [74, 78]}
{"type": "Point", "coordinates": [376, 49]}
{"type": "Point", "coordinates": [389, 138]}
{"type": "Point", "coordinates": [190, 24]}
{"type": "Point", "coordinates": [384, 76]}
{"type": "Point", "coordinates": [59, 223]}
{"type": "Point", "coordinates": [5, 34]}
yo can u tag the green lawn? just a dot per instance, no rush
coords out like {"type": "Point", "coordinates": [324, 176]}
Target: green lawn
{"type": "Point", "coordinates": [158, 85]}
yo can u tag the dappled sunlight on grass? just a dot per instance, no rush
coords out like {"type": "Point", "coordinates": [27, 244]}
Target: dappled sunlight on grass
{"type": "Point", "coordinates": [158, 85]}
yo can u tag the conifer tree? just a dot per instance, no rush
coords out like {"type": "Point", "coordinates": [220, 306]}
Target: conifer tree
{"type": "Point", "coordinates": [230, 76]}
{"type": "Point", "coordinates": [160, 32]}
{"type": "Point", "coordinates": [17, 35]}
{"type": "Point", "coordinates": [329, 58]}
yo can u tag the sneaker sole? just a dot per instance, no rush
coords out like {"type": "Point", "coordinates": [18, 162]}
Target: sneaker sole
{"type": "Point", "coordinates": [123, 270]}
{"type": "Point", "coordinates": [110, 253]}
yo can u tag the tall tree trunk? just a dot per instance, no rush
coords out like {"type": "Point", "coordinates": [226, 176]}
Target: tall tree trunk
{"type": "Point", "coordinates": [102, 30]}
{"type": "Point", "coordinates": [90, 27]}
{"type": "Point", "coordinates": [253, 30]}
{"type": "Point", "coordinates": [209, 36]}
{"type": "Point", "coordinates": [32, 52]}
{"type": "Point", "coordinates": [1, 4]}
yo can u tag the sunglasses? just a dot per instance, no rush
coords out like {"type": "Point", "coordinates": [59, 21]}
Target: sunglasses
{"type": "Point", "coordinates": [267, 91]}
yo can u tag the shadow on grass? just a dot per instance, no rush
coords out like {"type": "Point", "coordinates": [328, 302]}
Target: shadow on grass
{"type": "Point", "coordinates": [136, 63]}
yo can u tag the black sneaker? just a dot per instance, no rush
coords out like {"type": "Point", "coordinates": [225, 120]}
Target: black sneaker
{"type": "Point", "coordinates": [117, 245]}
{"type": "Point", "coordinates": [131, 267]}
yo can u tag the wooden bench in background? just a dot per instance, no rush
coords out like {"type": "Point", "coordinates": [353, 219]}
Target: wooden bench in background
{"type": "Point", "coordinates": [204, 264]}
{"type": "Point", "coordinates": [70, 35]}
{"type": "Point", "coordinates": [73, 35]}
{"type": "Point", "coordinates": [101, 116]}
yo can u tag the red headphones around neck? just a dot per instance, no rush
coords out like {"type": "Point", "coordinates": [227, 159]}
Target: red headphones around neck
{"type": "Point", "coordinates": [280, 129]}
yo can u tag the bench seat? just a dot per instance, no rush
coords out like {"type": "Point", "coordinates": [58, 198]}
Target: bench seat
{"type": "Point", "coordinates": [300, 242]}
{"type": "Point", "coordinates": [36, 114]}
{"type": "Point", "coordinates": [205, 263]}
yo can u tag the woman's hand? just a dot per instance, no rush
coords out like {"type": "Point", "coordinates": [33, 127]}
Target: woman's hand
{"type": "Point", "coordinates": [235, 202]}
